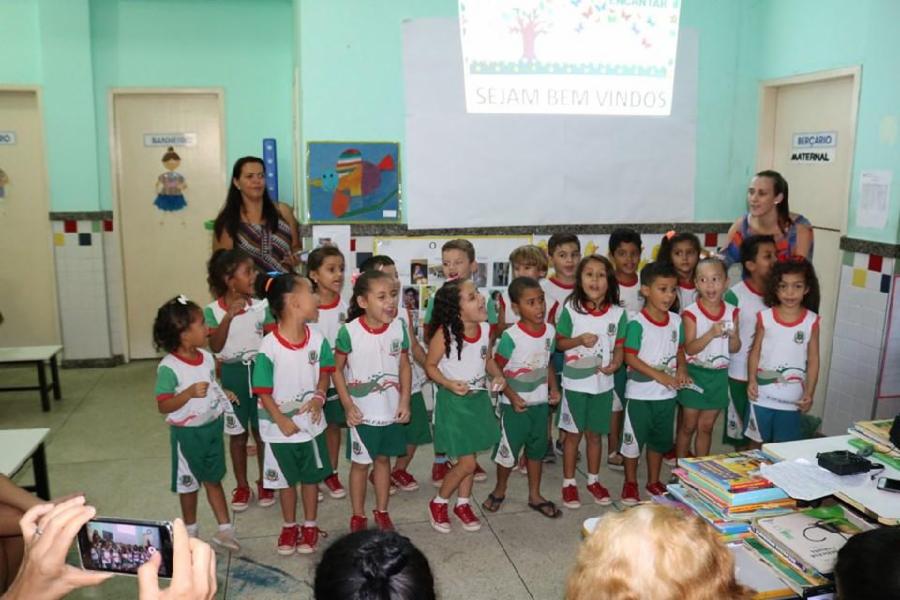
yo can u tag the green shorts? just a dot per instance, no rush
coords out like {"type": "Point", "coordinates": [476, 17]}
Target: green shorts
{"type": "Point", "coordinates": [234, 379]}
{"type": "Point", "coordinates": [365, 442]}
{"type": "Point", "coordinates": [715, 389]}
{"type": "Point", "coordinates": [648, 423]}
{"type": "Point", "coordinates": [582, 411]}
{"type": "Point", "coordinates": [418, 430]}
{"type": "Point", "coordinates": [464, 425]}
{"type": "Point", "coordinates": [518, 429]}
{"type": "Point", "coordinates": [286, 465]}
{"type": "Point", "coordinates": [198, 455]}
{"type": "Point", "coordinates": [739, 404]}
{"type": "Point", "coordinates": [334, 410]}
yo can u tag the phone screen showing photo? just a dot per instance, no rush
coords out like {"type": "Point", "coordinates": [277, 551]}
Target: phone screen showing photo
{"type": "Point", "coordinates": [123, 545]}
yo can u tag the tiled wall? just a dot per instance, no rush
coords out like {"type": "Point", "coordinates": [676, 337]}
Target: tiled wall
{"type": "Point", "coordinates": [852, 382]}
{"type": "Point", "coordinates": [78, 248]}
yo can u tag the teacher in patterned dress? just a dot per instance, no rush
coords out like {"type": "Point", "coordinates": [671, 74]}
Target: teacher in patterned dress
{"type": "Point", "coordinates": [252, 221]}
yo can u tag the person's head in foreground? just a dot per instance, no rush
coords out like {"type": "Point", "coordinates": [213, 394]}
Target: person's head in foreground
{"type": "Point", "coordinates": [657, 552]}
{"type": "Point", "coordinates": [868, 565]}
{"type": "Point", "coordinates": [373, 565]}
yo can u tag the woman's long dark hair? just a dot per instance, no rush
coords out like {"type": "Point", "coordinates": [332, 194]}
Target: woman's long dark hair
{"type": "Point", "coordinates": [780, 186]}
{"type": "Point", "coordinates": [229, 218]}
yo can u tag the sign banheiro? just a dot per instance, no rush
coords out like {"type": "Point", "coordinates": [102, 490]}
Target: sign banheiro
{"type": "Point", "coordinates": [613, 57]}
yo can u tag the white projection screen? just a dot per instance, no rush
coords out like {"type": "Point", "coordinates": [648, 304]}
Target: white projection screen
{"type": "Point", "coordinates": [493, 170]}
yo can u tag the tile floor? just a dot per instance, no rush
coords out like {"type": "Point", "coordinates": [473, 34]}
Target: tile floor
{"type": "Point", "coordinates": [108, 441]}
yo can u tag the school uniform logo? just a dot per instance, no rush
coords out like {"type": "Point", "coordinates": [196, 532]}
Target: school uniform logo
{"type": "Point", "coordinates": [187, 480]}
{"type": "Point", "coordinates": [342, 318]}
{"type": "Point", "coordinates": [611, 329]}
{"type": "Point", "coordinates": [674, 336]}
{"type": "Point", "coordinates": [799, 337]}
{"type": "Point", "coordinates": [230, 421]}
{"type": "Point", "coordinates": [313, 356]}
{"type": "Point", "coordinates": [395, 346]}
{"type": "Point", "coordinates": [566, 418]}
{"type": "Point", "coordinates": [483, 352]}
{"type": "Point", "coordinates": [503, 451]}
{"type": "Point", "coordinates": [357, 448]}
{"type": "Point", "coordinates": [547, 344]}
{"type": "Point", "coordinates": [628, 439]}
{"type": "Point", "coordinates": [271, 475]}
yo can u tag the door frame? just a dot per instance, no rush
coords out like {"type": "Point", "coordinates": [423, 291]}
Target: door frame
{"type": "Point", "coordinates": [768, 97]}
{"type": "Point", "coordinates": [38, 92]}
{"type": "Point", "coordinates": [115, 166]}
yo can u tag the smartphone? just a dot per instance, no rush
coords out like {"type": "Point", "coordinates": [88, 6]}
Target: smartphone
{"type": "Point", "coordinates": [120, 546]}
{"type": "Point", "coordinates": [889, 485]}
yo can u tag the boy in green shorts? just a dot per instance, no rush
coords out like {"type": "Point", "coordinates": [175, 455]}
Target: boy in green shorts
{"type": "Point", "coordinates": [657, 368]}
{"type": "Point", "coordinates": [523, 354]}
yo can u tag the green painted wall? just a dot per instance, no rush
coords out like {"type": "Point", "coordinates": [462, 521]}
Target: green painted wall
{"type": "Point", "coordinates": [19, 44]}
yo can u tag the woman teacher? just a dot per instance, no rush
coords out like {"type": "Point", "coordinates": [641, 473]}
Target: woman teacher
{"type": "Point", "coordinates": [253, 222]}
{"type": "Point", "coordinates": [769, 214]}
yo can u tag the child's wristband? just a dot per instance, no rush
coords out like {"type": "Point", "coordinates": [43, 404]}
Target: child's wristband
{"type": "Point", "coordinates": [320, 397]}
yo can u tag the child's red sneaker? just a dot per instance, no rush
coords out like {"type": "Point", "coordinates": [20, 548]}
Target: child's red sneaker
{"type": "Point", "coordinates": [403, 479]}
{"type": "Point", "coordinates": [383, 520]}
{"type": "Point", "coordinates": [480, 475]}
{"type": "Point", "coordinates": [570, 497]}
{"type": "Point", "coordinates": [287, 541]}
{"type": "Point", "coordinates": [656, 488]}
{"type": "Point", "coordinates": [630, 493]}
{"type": "Point", "coordinates": [440, 519]}
{"type": "Point", "coordinates": [438, 471]}
{"type": "Point", "coordinates": [358, 523]}
{"type": "Point", "coordinates": [265, 498]}
{"type": "Point", "coordinates": [334, 486]}
{"type": "Point", "coordinates": [600, 493]}
{"type": "Point", "coordinates": [465, 514]}
{"type": "Point", "coordinates": [309, 539]}
{"type": "Point", "coordinates": [240, 498]}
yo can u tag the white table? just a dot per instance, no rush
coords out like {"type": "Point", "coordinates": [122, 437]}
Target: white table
{"type": "Point", "coordinates": [878, 504]}
{"type": "Point", "coordinates": [39, 356]}
{"type": "Point", "coordinates": [18, 446]}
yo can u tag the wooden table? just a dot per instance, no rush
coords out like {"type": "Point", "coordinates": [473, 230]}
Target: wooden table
{"type": "Point", "coordinates": [38, 356]}
{"type": "Point", "coordinates": [18, 446]}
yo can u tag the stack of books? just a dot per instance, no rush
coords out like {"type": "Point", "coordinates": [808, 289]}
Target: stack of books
{"type": "Point", "coordinates": [877, 436]}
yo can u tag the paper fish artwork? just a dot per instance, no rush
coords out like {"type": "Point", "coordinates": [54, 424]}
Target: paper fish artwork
{"type": "Point", "coordinates": [353, 182]}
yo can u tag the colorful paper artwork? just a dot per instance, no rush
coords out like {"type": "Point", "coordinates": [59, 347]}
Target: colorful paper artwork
{"type": "Point", "coordinates": [170, 185]}
{"type": "Point", "coordinates": [353, 182]}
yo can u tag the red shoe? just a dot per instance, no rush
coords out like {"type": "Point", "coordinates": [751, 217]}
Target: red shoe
{"type": "Point", "coordinates": [669, 458]}
{"type": "Point", "coordinates": [309, 539]}
{"type": "Point", "coordinates": [287, 541]}
{"type": "Point", "coordinates": [600, 494]}
{"type": "Point", "coordinates": [265, 498]}
{"type": "Point", "coordinates": [383, 520]}
{"type": "Point", "coordinates": [391, 490]}
{"type": "Point", "coordinates": [402, 479]}
{"type": "Point", "coordinates": [358, 523]}
{"type": "Point", "coordinates": [465, 514]}
{"type": "Point", "coordinates": [656, 488]}
{"type": "Point", "coordinates": [240, 498]}
{"type": "Point", "coordinates": [333, 485]}
{"type": "Point", "coordinates": [440, 520]}
{"type": "Point", "coordinates": [570, 497]}
{"type": "Point", "coordinates": [438, 471]}
{"type": "Point", "coordinates": [480, 475]}
{"type": "Point", "coordinates": [630, 493]}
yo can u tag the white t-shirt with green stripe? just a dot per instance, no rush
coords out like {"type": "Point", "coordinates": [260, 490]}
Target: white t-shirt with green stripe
{"type": "Point", "coordinates": [783, 358]}
{"type": "Point", "coordinates": [175, 374]}
{"type": "Point", "coordinates": [245, 333]}
{"type": "Point", "coordinates": [555, 295]}
{"type": "Point", "coordinates": [470, 367]}
{"type": "Point", "coordinates": [581, 367]}
{"type": "Point", "coordinates": [331, 317]}
{"type": "Point", "coordinates": [525, 360]}
{"type": "Point", "coordinates": [630, 298]}
{"type": "Point", "coordinates": [419, 378]}
{"type": "Point", "coordinates": [715, 354]}
{"type": "Point", "coordinates": [373, 367]}
{"type": "Point", "coordinates": [750, 301]}
{"type": "Point", "coordinates": [656, 343]}
{"type": "Point", "coordinates": [290, 373]}
{"type": "Point", "coordinates": [687, 295]}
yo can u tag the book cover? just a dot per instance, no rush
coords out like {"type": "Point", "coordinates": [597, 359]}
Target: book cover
{"type": "Point", "coordinates": [734, 472]}
{"type": "Point", "coordinates": [728, 498]}
{"type": "Point", "coordinates": [791, 576]}
{"type": "Point", "coordinates": [751, 571]}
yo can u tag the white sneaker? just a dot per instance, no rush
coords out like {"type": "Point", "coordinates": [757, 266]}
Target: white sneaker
{"type": "Point", "coordinates": [227, 540]}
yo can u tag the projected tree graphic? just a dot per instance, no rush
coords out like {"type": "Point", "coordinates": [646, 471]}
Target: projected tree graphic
{"type": "Point", "coordinates": [529, 25]}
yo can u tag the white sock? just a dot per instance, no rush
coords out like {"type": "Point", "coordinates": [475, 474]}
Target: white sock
{"type": "Point", "coordinates": [461, 501]}
{"type": "Point", "coordinates": [309, 523]}
{"type": "Point", "coordinates": [568, 482]}
{"type": "Point", "coordinates": [193, 530]}
{"type": "Point", "coordinates": [593, 478]}
{"type": "Point", "coordinates": [439, 500]}
{"type": "Point", "coordinates": [225, 527]}
{"type": "Point", "coordinates": [289, 525]}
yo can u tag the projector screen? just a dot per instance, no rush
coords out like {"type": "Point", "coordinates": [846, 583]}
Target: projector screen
{"type": "Point", "coordinates": [615, 57]}
{"type": "Point", "coordinates": [494, 170]}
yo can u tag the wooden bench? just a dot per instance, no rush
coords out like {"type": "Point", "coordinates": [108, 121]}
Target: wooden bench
{"type": "Point", "coordinates": [18, 446]}
{"type": "Point", "coordinates": [38, 356]}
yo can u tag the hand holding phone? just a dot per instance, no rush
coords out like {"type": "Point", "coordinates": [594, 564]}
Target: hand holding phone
{"type": "Point", "coordinates": [121, 546]}
{"type": "Point", "coordinates": [194, 576]}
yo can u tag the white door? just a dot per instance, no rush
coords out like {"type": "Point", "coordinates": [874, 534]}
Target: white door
{"type": "Point", "coordinates": [162, 206]}
{"type": "Point", "coordinates": [818, 190]}
{"type": "Point", "coordinates": [27, 272]}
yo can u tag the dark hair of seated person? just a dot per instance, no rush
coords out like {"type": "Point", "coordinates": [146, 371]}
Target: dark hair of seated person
{"type": "Point", "coordinates": [373, 565]}
{"type": "Point", "coordinates": [868, 565]}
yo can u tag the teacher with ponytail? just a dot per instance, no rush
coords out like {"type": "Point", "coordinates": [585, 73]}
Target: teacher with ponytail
{"type": "Point", "coordinates": [769, 214]}
{"type": "Point", "coordinates": [252, 221]}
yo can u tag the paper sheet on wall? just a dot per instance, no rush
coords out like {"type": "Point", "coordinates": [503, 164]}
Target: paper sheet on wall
{"type": "Point", "coordinates": [874, 199]}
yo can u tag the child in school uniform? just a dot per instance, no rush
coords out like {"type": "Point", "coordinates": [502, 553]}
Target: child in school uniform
{"type": "Point", "coordinates": [525, 261]}
{"type": "Point", "coordinates": [783, 366]}
{"type": "Point", "coordinates": [711, 335]}
{"type": "Point", "coordinates": [459, 352]}
{"type": "Point", "coordinates": [654, 354]}
{"type": "Point", "coordinates": [457, 263]}
{"type": "Point", "coordinates": [291, 377]}
{"type": "Point", "coordinates": [625, 247]}
{"type": "Point", "coordinates": [418, 429]}
{"type": "Point", "coordinates": [591, 332]}
{"type": "Point", "coordinates": [325, 266]}
{"type": "Point", "coordinates": [193, 402]}
{"type": "Point", "coordinates": [372, 377]}
{"type": "Point", "coordinates": [524, 356]}
{"type": "Point", "coordinates": [758, 254]}
{"type": "Point", "coordinates": [236, 324]}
